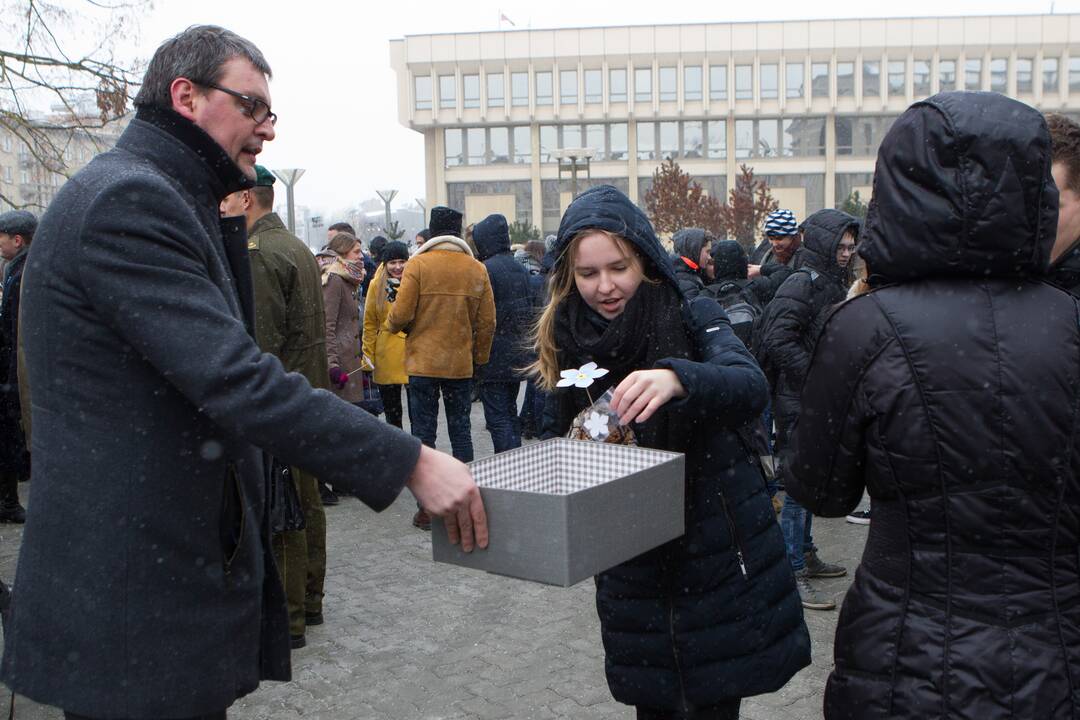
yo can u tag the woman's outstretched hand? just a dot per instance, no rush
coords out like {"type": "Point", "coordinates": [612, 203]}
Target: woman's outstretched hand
{"type": "Point", "coordinates": [643, 391]}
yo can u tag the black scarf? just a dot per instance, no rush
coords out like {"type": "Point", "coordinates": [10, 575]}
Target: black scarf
{"type": "Point", "coordinates": [648, 330]}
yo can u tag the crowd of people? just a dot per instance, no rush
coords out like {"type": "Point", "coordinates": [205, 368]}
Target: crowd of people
{"type": "Point", "coordinates": [196, 386]}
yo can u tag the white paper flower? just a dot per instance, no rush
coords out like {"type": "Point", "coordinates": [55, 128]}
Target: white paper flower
{"type": "Point", "coordinates": [582, 377]}
{"type": "Point", "coordinates": [597, 426]}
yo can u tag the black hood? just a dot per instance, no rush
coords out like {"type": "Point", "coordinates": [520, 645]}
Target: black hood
{"type": "Point", "coordinates": [491, 236]}
{"type": "Point", "coordinates": [730, 260]}
{"type": "Point", "coordinates": [962, 187]}
{"type": "Point", "coordinates": [688, 243]}
{"type": "Point", "coordinates": [822, 233]}
{"type": "Point", "coordinates": [604, 207]}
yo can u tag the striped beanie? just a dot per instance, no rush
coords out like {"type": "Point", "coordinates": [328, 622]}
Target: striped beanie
{"type": "Point", "coordinates": [781, 222]}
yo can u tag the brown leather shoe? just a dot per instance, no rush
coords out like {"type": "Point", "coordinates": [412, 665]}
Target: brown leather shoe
{"type": "Point", "coordinates": [421, 520]}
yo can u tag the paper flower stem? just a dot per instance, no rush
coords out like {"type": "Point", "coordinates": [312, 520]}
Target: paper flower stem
{"type": "Point", "coordinates": [591, 401]}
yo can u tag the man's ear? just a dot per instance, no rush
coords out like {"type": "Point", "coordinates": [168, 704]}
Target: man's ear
{"type": "Point", "coordinates": [183, 93]}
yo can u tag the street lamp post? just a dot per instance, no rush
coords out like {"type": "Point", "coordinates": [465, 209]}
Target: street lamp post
{"type": "Point", "coordinates": [290, 177]}
{"type": "Point", "coordinates": [571, 156]}
{"type": "Point", "coordinates": [387, 196]}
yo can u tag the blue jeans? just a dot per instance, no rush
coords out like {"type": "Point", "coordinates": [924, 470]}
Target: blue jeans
{"type": "Point", "coordinates": [501, 414]}
{"type": "Point", "coordinates": [795, 524]}
{"type": "Point", "coordinates": [423, 399]}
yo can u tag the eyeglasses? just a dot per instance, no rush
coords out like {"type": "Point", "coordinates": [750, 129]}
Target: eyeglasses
{"type": "Point", "coordinates": [254, 108]}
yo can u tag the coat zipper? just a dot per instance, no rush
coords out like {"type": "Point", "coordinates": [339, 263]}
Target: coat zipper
{"type": "Point", "coordinates": [736, 541]}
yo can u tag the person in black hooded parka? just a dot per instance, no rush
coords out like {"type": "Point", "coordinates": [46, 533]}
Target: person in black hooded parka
{"type": "Point", "coordinates": [951, 391]}
{"type": "Point", "coordinates": [694, 625]}
{"type": "Point", "coordinates": [693, 264]}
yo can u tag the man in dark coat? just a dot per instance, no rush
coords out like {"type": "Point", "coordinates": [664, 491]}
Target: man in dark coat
{"type": "Point", "coordinates": [145, 586]}
{"type": "Point", "coordinates": [950, 392]}
{"type": "Point", "coordinates": [789, 330]}
{"type": "Point", "coordinates": [290, 325]}
{"type": "Point", "coordinates": [16, 233]}
{"type": "Point", "coordinates": [500, 378]}
{"type": "Point", "coordinates": [693, 262]}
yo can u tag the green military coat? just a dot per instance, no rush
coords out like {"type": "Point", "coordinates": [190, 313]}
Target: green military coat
{"type": "Point", "coordinates": [289, 320]}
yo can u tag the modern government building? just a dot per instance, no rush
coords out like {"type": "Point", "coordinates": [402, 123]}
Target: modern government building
{"type": "Point", "coordinates": [805, 103]}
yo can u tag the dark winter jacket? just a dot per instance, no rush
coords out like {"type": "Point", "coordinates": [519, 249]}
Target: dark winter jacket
{"type": "Point", "coordinates": [688, 244]}
{"type": "Point", "coordinates": [1066, 274]}
{"type": "Point", "coordinates": [730, 265]}
{"type": "Point", "coordinates": [952, 396]}
{"type": "Point", "coordinates": [682, 625]}
{"type": "Point", "coordinates": [513, 302]}
{"type": "Point", "coordinates": [146, 586]}
{"type": "Point", "coordinates": [793, 320]}
{"type": "Point", "coordinates": [14, 457]}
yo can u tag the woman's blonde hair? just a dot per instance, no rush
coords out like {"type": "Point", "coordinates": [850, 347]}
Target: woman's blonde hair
{"type": "Point", "coordinates": [561, 283]}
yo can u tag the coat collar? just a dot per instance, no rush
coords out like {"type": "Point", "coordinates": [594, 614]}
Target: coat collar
{"type": "Point", "coordinates": [185, 152]}
{"type": "Point", "coordinates": [269, 221]}
{"type": "Point", "coordinates": [446, 242]}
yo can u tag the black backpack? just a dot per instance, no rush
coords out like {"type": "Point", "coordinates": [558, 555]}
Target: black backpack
{"type": "Point", "coordinates": [743, 313]}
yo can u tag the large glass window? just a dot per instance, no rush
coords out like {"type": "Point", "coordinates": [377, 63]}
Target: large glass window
{"type": "Point", "coordinates": [617, 144]}
{"type": "Point", "coordinates": [594, 86]}
{"type": "Point", "coordinates": [477, 145]}
{"type": "Point", "coordinates": [1050, 75]}
{"type": "Point", "coordinates": [693, 143]}
{"type": "Point", "coordinates": [496, 93]}
{"type": "Point", "coordinates": [744, 82]}
{"type": "Point", "coordinates": [471, 94]}
{"type": "Point", "coordinates": [897, 79]}
{"type": "Point", "coordinates": [669, 140]}
{"type": "Point", "coordinates": [845, 79]}
{"type": "Point", "coordinates": [717, 141]}
{"type": "Point", "coordinates": [770, 81]}
{"type": "Point", "coordinates": [571, 136]}
{"type": "Point", "coordinates": [861, 135]}
{"type": "Point", "coordinates": [744, 138]}
{"type": "Point", "coordinates": [617, 83]}
{"type": "Point", "coordinates": [794, 81]}
{"type": "Point", "coordinates": [691, 82]}
{"type": "Point", "coordinates": [543, 88]}
{"type": "Point", "coordinates": [669, 84]}
{"type": "Point", "coordinates": [594, 139]}
{"type": "Point", "coordinates": [803, 137]}
{"type": "Point", "coordinates": [499, 139]}
{"type": "Point", "coordinates": [568, 87]}
{"type": "Point", "coordinates": [519, 89]}
{"type": "Point", "coordinates": [999, 75]}
{"type": "Point", "coordinates": [423, 92]}
{"type": "Point", "coordinates": [549, 143]}
{"type": "Point", "coordinates": [455, 148]}
{"type": "Point", "coordinates": [920, 78]}
{"type": "Point", "coordinates": [718, 82]}
{"type": "Point", "coordinates": [1074, 75]}
{"type": "Point", "coordinates": [768, 143]}
{"type": "Point", "coordinates": [522, 144]}
{"type": "Point", "coordinates": [973, 74]}
{"type": "Point", "coordinates": [642, 84]}
{"type": "Point", "coordinates": [946, 75]}
{"type": "Point", "coordinates": [646, 141]}
{"type": "Point", "coordinates": [819, 79]}
{"type": "Point", "coordinates": [871, 78]}
{"type": "Point", "coordinates": [447, 96]}
{"type": "Point", "coordinates": [1024, 75]}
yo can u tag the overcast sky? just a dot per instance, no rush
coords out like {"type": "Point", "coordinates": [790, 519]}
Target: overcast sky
{"type": "Point", "coordinates": [335, 92]}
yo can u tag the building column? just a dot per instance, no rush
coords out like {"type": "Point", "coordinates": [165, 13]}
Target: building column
{"type": "Point", "coordinates": [631, 159]}
{"type": "Point", "coordinates": [534, 178]}
{"type": "Point", "coordinates": [830, 160]}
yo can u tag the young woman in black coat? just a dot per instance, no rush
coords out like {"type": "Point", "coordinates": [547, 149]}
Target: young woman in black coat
{"type": "Point", "coordinates": [695, 625]}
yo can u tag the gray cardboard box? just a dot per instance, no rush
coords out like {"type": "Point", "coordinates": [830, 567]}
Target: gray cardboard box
{"type": "Point", "coordinates": [560, 511]}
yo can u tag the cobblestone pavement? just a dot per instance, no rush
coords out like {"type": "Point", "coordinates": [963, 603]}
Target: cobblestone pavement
{"type": "Point", "coordinates": [405, 638]}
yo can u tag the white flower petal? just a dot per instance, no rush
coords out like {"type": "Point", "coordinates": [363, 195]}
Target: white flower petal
{"type": "Point", "coordinates": [587, 367]}
{"type": "Point", "coordinates": [568, 373]}
{"type": "Point", "coordinates": [566, 382]}
{"type": "Point", "coordinates": [583, 382]}
{"type": "Point", "coordinates": [599, 372]}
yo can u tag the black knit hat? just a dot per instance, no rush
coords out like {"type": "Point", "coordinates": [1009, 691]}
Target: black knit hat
{"type": "Point", "coordinates": [394, 250]}
{"type": "Point", "coordinates": [445, 221]}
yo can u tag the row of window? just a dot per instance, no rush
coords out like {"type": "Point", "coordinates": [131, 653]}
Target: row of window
{"type": "Point", "coordinates": [687, 139]}
{"type": "Point", "coordinates": [893, 72]}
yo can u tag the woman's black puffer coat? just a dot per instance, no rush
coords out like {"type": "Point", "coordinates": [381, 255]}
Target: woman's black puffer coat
{"type": "Point", "coordinates": [682, 625]}
{"type": "Point", "coordinates": [952, 392]}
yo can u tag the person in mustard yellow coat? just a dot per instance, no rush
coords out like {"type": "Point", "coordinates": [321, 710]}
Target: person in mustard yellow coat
{"type": "Point", "coordinates": [384, 351]}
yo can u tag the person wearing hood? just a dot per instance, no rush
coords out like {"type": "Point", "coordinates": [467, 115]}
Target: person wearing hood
{"type": "Point", "coordinates": [693, 262]}
{"type": "Point", "coordinates": [789, 329]}
{"type": "Point", "coordinates": [691, 627]}
{"type": "Point", "coordinates": [950, 392]}
{"type": "Point", "coordinates": [733, 289]}
{"type": "Point", "coordinates": [447, 310]}
{"type": "Point", "coordinates": [383, 352]}
{"type": "Point", "coordinates": [499, 379]}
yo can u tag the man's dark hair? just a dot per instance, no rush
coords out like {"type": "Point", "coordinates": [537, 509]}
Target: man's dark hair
{"type": "Point", "coordinates": [1065, 147]}
{"type": "Point", "coordinates": [425, 233]}
{"type": "Point", "coordinates": [342, 227]}
{"type": "Point", "coordinates": [263, 196]}
{"type": "Point", "coordinates": [198, 54]}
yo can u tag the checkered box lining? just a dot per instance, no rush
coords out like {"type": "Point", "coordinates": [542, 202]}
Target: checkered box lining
{"type": "Point", "coordinates": [562, 467]}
